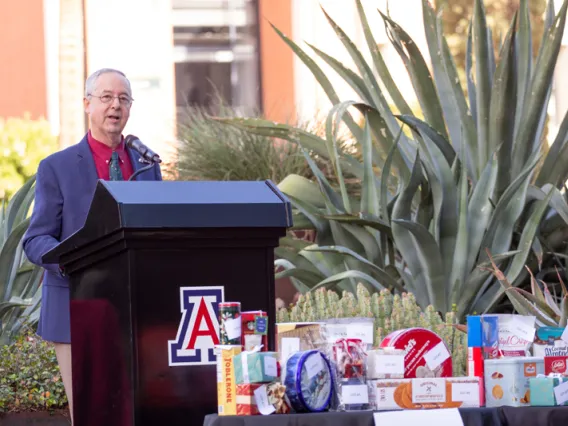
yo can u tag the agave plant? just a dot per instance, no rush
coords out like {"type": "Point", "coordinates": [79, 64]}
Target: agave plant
{"type": "Point", "coordinates": [549, 309]}
{"type": "Point", "coordinates": [20, 292]}
{"type": "Point", "coordinates": [467, 176]}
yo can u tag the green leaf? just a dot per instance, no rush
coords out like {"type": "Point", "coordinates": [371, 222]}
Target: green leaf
{"type": "Point", "coordinates": [423, 128]}
{"type": "Point", "coordinates": [555, 166]}
{"type": "Point", "coordinates": [539, 89]}
{"type": "Point", "coordinates": [468, 132]}
{"type": "Point", "coordinates": [379, 273]}
{"type": "Point", "coordinates": [7, 255]}
{"type": "Point", "coordinates": [446, 218]}
{"type": "Point", "coordinates": [501, 120]}
{"type": "Point", "coordinates": [443, 83]}
{"type": "Point", "coordinates": [379, 100]}
{"type": "Point", "coordinates": [475, 281]}
{"type": "Point", "coordinates": [403, 238]}
{"type": "Point", "coordinates": [346, 74]}
{"type": "Point", "coordinates": [483, 75]}
{"type": "Point", "coordinates": [348, 274]}
{"type": "Point", "coordinates": [419, 74]}
{"type": "Point", "coordinates": [431, 266]}
{"type": "Point", "coordinates": [302, 189]}
{"type": "Point", "coordinates": [362, 219]}
{"type": "Point", "coordinates": [508, 209]}
{"type": "Point", "coordinates": [331, 142]}
{"type": "Point", "coordinates": [527, 237]}
{"type": "Point", "coordinates": [524, 62]}
{"type": "Point", "coordinates": [460, 258]}
{"type": "Point", "coordinates": [18, 206]}
{"type": "Point", "coordinates": [319, 75]}
{"type": "Point", "coordinates": [480, 210]}
{"type": "Point", "coordinates": [369, 196]}
{"type": "Point", "coordinates": [543, 306]}
{"type": "Point", "coordinates": [385, 174]}
{"type": "Point", "coordinates": [471, 89]}
{"type": "Point", "coordinates": [380, 65]}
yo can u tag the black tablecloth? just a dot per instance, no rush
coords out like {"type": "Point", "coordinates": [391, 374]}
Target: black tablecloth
{"type": "Point", "coordinates": [503, 416]}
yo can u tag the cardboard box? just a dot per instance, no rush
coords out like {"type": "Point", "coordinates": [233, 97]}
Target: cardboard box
{"type": "Point", "coordinates": [294, 337]}
{"type": "Point", "coordinates": [404, 394]}
{"type": "Point", "coordinates": [555, 365]}
{"type": "Point", "coordinates": [246, 402]}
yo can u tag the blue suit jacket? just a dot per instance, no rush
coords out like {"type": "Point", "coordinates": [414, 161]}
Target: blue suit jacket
{"type": "Point", "coordinates": [65, 185]}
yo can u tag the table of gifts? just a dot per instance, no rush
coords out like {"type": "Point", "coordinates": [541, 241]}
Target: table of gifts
{"type": "Point", "coordinates": [334, 372]}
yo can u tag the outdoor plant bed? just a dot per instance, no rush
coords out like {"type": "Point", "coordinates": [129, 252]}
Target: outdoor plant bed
{"type": "Point", "coordinates": [58, 417]}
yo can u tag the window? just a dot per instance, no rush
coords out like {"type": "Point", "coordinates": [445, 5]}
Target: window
{"type": "Point", "coordinates": [216, 53]}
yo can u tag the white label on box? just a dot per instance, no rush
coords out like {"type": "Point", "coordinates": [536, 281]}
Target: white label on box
{"type": "Point", "coordinates": [425, 391]}
{"type": "Point", "coordinates": [314, 364]}
{"type": "Point", "coordinates": [233, 328]}
{"type": "Point", "coordinates": [355, 394]}
{"type": "Point", "coordinates": [261, 397]}
{"type": "Point", "coordinates": [465, 392]}
{"type": "Point", "coordinates": [565, 335]}
{"type": "Point", "coordinates": [290, 345]}
{"type": "Point", "coordinates": [363, 331]}
{"type": "Point", "coordinates": [561, 393]}
{"type": "Point", "coordinates": [270, 366]}
{"type": "Point", "coordinates": [437, 355]}
{"type": "Point", "coordinates": [384, 397]}
{"type": "Point", "coordinates": [389, 364]}
{"type": "Point", "coordinates": [523, 330]}
{"type": "Point", "coordinates": [438, 417]}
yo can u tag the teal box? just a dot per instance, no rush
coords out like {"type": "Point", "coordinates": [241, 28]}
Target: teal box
{"type": "Point", "coordinates": [256, 367]}
{"type": "Point", "coordinates": [542, 391]}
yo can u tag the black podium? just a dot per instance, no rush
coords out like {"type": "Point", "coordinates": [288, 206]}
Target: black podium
{"type": "Point", "coordinates": [147, 272]}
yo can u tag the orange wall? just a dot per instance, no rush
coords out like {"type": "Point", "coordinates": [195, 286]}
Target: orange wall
{"type": "Point", "coordinates": [22, 59]}
{"type": "Point", "coordinates": [277, 60]}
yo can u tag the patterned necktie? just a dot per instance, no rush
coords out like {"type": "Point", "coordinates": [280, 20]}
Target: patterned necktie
{"type": "Point", "coordinates": [114, 167]}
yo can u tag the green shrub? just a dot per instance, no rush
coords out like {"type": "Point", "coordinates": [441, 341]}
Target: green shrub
{"type": "Point", "coordinates": [29, 376]}
{"type": "Point", "coordinates": [210, 150]}
{"type": "Point", "coordinates": [23, 144]}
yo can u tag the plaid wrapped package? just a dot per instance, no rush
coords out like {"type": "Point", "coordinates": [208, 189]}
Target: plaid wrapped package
{"type": "Point", "coordinates": [246, 401]}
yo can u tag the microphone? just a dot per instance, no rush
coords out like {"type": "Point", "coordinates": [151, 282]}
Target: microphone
{"type": "Point", "coordinates": [134, 143]}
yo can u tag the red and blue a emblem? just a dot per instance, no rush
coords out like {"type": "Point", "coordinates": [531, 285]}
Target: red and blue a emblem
{"type": "Point", "coordinates": [198, 331]}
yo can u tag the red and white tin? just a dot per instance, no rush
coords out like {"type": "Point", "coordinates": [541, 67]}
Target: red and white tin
{"type": "Point", "coordinates": [426, 354]}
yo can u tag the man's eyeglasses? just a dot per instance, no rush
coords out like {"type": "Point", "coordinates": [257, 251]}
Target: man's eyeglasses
{"type": "Point", "coordinates": [123, 99]}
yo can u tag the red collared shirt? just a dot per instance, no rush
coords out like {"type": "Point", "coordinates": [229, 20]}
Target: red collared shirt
{"type": "Point", "coordinates": [102, 154]}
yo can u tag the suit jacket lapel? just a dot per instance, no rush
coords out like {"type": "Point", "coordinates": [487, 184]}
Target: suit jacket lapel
{"type": "Point", "coordinates": [137, 164]}
{"type": "Point", "coordinates": [87, 176]}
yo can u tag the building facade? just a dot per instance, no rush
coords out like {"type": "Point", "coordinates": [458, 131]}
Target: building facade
{"type": "Point", "coordinates": [187, 52]}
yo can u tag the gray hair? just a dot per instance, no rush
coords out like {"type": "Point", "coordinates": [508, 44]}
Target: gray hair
{"type": "Point", "coordinates": [92, 80]}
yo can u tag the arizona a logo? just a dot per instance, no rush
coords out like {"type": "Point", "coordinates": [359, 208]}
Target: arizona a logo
{"type": "Point", "coordinates": [198, 331]}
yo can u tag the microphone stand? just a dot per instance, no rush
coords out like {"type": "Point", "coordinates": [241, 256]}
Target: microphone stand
{"type": "Point", "coordinates": [142, 170]}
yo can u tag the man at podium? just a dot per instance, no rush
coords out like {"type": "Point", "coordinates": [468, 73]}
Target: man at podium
{"type": "Point", "coordinates": [65, 184]}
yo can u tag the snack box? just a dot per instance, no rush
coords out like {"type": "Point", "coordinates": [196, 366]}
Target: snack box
{"type": "Point", "coordinates": [507, 380]}
{"type": "Point", "coordinates": [542, 391]}
{"type": "Point", "coordinates": [413, 394]}
{"type": "Point", "coordinates": [556, 365]}
{"type": "Point", "coordinates": [292, 337]}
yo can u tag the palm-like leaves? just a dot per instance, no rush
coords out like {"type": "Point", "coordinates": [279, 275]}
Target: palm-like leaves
{"type": "Point", "coordinates": [20, 292]}
{"type": "Point", "coordinates": [467, 180]}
